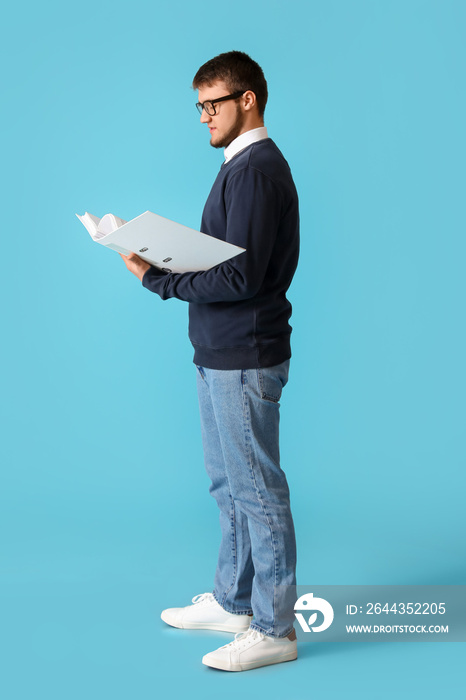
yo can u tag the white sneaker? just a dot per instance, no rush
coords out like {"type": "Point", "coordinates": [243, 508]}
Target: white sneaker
{"type": "Point", "coordinates": [205, 614]}
{"type": "Point", "coordinates": [252, 649]}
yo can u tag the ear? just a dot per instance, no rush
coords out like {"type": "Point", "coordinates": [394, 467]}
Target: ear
{"type": "Point", "coordinates": [249, 100]}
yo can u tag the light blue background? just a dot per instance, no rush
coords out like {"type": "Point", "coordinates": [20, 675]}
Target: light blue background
{"type": "Point", "coordinates": [105, 512]}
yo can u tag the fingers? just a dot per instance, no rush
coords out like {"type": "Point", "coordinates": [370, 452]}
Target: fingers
{"type": "Point", "coordinates": [130, 256]}
{"type": "Point", "coordinates": [135, 264]}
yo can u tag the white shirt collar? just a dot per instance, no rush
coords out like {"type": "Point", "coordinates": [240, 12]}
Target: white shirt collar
{"type": "Point", "coordinates": [244, 140]}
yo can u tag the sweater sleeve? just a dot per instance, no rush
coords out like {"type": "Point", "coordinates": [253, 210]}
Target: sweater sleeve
{"type": "Point", "coordinates": [253, 208]}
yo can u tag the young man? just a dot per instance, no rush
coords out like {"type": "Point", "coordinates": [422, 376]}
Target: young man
{"type": "Point", "coordinates": [238, 325]}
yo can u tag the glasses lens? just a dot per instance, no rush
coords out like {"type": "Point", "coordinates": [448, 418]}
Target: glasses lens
{"type": "Point", "coordinates": [209, 108]}
{"type": "Point", "coordinates": [199, 107]}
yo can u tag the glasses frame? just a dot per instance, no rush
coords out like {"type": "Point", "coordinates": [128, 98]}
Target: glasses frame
{"type": "Point", "coordinates": [200, 106]}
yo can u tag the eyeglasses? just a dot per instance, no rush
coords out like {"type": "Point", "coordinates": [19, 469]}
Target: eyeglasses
{"type": "Point", "coordinates": [209, 105]}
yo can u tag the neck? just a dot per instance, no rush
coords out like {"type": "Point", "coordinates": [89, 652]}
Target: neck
{"type": "Point", "coordinates": [252, 121]}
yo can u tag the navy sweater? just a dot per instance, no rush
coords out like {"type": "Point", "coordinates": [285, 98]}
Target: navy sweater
{"type": "Point", "coordinates": [238, 310]}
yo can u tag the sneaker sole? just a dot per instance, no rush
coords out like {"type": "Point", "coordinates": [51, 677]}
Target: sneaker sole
{"type": "Point", "coordinates": [205, 626]}
{"type": "Point", "coordinates": [226, 666]}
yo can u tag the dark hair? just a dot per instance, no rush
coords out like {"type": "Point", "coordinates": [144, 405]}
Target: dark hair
{"type": "Point", "coordinates": [238, 71]}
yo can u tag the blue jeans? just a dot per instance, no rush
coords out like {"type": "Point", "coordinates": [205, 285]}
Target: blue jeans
{"type": "Point", "coordinates": [239, 421]}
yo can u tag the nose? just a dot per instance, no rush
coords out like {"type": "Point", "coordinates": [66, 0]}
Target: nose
{"type": "Point", "coordinates": [205, 118]}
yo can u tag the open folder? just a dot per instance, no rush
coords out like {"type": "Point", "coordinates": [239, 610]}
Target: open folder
{"type": "Point", "coordinates": [161, 242]}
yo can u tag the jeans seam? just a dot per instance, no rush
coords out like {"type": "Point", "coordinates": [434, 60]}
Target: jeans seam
{"type": "Point", "coordinates": [232, 519]}
{"type": "Point", "coordinates": [233, 531]}
{"type": "Point", "coordinates": [246, 418]}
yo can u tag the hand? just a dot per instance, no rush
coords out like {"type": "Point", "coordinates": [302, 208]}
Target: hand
{"type": "Point", "coordinates": [135, 264]}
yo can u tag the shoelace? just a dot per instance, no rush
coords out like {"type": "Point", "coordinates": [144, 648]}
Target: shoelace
{"type": "Point", "coordinates": [245, 639]}
{"type": "Point", "coordinates": [203, 598]}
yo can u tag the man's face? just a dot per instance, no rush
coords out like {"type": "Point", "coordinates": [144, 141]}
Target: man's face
{"type": "Point", "coordinates": [229, 120]}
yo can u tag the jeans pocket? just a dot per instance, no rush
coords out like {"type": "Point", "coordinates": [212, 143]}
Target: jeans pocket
{"type": "Point", "coordinates": [270, 385]}
{"type": "Point", "coordinates": [201, 371]}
